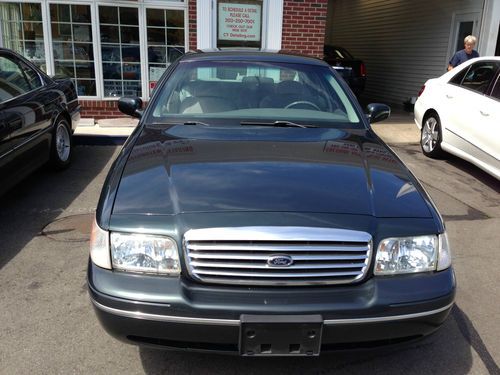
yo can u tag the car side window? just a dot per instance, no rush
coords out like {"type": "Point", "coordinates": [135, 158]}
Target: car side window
{"type": "Point", "coordinates": [459, 77]}
{"type": "Point", "coordinates": [32, 76]}
{"type": "Point", "coordinates": [479, 76]}
{"type": "Point", "coordinates": [13, 81]}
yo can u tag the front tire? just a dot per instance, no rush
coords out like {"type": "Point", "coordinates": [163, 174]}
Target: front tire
{"type": "Point", "coordinates": [432, 136]}
{"type": "Point", "coordinates": [62, 145]}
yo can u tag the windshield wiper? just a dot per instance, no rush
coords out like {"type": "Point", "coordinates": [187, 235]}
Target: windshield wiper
{"type": "Point", "coordinates": [279, 124]}
{"type": "Point", "coordinates": [195, 123]}
{"type": "Point", "coordinates": [181, 123]}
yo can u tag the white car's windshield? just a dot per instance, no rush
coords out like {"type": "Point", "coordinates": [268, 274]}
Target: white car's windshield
{"type": "Point", "coordinates": [250, 91]}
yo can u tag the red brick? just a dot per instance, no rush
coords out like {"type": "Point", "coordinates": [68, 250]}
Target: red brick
{"type": "Point", "coordinates": [304, 25]}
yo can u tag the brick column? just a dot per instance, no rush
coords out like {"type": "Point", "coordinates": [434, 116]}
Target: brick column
{"type": "Point", "coordinates": [192, 25]}
{"type": "Point", "coordinates": [304, 23]}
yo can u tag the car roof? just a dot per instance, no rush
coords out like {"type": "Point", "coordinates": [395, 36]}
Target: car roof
{"type": "Point", "coordinates": [451, 73]}
{"type": "Point", "coordinates": [493, 58]}
{"type": "Point", "coordinates": [7, 50]}
{"type": "Point", "coordinates": [251, 55]}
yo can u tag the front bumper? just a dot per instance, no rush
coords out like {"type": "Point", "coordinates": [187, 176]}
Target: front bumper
{"type": "Point", "coordinates": [418, 113]}
{"type": "Point", "coordinates": [178, 314]}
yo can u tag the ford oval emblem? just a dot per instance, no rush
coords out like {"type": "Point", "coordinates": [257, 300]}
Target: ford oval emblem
{"type": "Point", "coordinates": [280, 260]}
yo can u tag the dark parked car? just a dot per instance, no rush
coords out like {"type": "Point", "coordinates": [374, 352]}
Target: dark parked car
{"type": "Point", "coordinates": [260, 214]}
{"type": "Point", "coordinates": [37, 119]}
{"type": "Point", "coordinates": [351, 69]}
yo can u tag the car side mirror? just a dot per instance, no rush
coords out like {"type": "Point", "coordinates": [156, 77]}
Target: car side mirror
{"type": "Point", "coordinates": [130, 105]}
{"type": "Point", "coordinates": [378, 112]}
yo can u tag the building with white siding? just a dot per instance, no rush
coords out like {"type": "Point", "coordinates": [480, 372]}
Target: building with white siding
{"type": "Point", "coordinates": [404, 43]}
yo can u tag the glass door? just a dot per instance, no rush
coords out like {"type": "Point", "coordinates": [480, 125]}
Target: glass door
{"type": "Point", "coordinates": [464, 24]}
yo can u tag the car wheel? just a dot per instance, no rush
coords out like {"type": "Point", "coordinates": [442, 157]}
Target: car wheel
{"type": "Point", "coordinates": [431, 136]}
{"type": "Point", "coordinates": [62, 145]}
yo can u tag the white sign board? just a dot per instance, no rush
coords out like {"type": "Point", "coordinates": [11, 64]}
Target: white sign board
{"type": "Point", "coordinates": [155, 73]}
{"type": "Point", "coordinates": [239, 22]}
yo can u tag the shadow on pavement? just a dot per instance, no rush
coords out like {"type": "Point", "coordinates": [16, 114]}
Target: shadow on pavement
{"type": "Point", "coordinates": [470, 169]}
{"type": "Point", "coordinates": [474, 171]}
{"type": "Point", "coordinates": [38, 200]}
{"type": "Point", "coordinates": [448, 351]}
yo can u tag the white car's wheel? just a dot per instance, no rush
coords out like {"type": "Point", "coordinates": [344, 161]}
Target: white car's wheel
{"type": "Point", "coordinates": [431, 137]}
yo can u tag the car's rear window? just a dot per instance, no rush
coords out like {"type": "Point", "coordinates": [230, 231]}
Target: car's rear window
{"type": "Point", "coordinates": [254, 91]}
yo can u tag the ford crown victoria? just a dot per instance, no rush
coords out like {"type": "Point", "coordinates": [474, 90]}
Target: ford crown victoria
{"type": "Point", "coordinates": [254, 211]}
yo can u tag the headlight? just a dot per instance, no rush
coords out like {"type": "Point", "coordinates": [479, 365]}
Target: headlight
{"type": "Point", "coordinates": [412, 254]}
{"type": "Point", "coordinates": [144, 253]}
{"type": "Point", "coordinates": [99, 247]}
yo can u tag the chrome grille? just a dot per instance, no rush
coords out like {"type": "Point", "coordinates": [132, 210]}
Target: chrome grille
{"type": "Point", "coordinates": [241, 255]}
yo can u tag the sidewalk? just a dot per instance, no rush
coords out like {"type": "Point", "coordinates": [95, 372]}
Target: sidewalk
{"type": "Point", "coordinates": [399, 128]}
{"type": "Point", "coordinates": [104, 132]}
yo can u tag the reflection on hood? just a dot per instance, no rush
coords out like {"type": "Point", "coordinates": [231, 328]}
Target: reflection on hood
{"type": "Point", "coordinates": [346, 174]}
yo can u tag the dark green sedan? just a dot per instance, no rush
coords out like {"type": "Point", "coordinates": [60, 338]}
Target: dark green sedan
{"type": "Point", "coordinates": [254, 211]}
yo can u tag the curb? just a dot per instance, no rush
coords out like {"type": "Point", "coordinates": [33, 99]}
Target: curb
{"type": "Point", "coordinates": [398, 129]}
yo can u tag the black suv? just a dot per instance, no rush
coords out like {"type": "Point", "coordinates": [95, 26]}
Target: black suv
{"type": "Point", "coordinates": [353, 70]}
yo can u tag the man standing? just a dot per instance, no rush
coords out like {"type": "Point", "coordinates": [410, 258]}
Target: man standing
{"type": "Point", "coordinates": [465, 54]}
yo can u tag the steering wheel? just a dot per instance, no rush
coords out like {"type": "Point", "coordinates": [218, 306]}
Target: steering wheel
{"type": "Point", "coordinates": [299, 102]}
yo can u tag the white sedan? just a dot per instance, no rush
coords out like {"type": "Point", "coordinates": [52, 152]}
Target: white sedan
{"type": "Point", "coordinates": [459, 113]}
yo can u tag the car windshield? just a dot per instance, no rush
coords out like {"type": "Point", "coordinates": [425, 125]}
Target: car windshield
{"type": "Point", "coordinates": [253, 93]}
{"type": "Point", "coordinates": [338, 53]}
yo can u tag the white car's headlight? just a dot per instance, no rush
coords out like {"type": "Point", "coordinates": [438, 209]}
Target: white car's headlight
{"type": "Point", "coordinates": [144, 253]}
{"type": "Point", "coordinates": [412, 254]}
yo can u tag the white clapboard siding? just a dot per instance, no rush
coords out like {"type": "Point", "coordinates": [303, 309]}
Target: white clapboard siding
{"type": "Point", "coordinates": [402, 42]}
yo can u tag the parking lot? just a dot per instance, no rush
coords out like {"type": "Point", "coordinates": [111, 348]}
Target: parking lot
{"type": "Point", "coordinates": [48, 326]}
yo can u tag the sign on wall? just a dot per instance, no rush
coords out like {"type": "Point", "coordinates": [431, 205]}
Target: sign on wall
{"type": "Point", "coordinates": [239, 24]}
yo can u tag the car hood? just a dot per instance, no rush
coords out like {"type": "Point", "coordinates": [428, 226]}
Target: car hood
{"type": "Point", "coordinates": [189, 169]}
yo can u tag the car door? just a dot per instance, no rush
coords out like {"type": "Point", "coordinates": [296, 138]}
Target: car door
{"type": "Point", "coordinates": [12, 85]}
{"type": "Point", "coordinates": [489, 132]}
{"type": "Point", "coordinates": [4, 132]}
{"type": "Point", "coordinates": [26, 118]}
{"type": "Point", "coordinates": [25, 113]}
{"type": "Point", "coordinates": [468, 127]}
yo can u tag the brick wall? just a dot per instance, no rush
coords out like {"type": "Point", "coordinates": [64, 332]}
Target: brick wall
{"type": "Point", "coordinates": [100, 109]}
{"type": "Point", "coordinates": [192, 24]}
{"type": "Point", "coordinates": [304, 23]}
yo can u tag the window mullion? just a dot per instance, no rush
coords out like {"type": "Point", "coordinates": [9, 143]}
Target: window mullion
{"type": "Point", "coordinates": [143, 41]}
{"type": "Point", "coordinates": [96, 34]}
{"type": "Point", "coordinates": [47, 38]}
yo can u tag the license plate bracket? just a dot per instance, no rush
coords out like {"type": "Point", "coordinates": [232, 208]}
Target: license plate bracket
{"type": "Point", "coordinates": [280, 335]}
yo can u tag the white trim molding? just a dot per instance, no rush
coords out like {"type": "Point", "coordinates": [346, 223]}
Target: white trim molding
{"type": "Point", "coordinates": [204, 24]}
{"type": "Point", "coordinates": [274, 24]}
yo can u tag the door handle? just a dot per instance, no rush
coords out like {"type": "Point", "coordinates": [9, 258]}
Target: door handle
{"type": "Point", "coordinates": [486, 114]}
{"type": "Point", "coordinates": [449, 96]}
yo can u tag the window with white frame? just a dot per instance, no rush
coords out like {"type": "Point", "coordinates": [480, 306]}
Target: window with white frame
{"type": "Point", "coordinates": [72, 47]}
{"type": "Point", "coordinates": [96, 43]}
{"type": "Point", "coordinates": [120, 50]}
{"type": "Point", "coordinates": [165, 35]}
{"type": "Point", "coordinates": [22, 30]}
